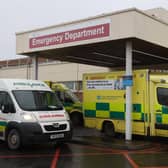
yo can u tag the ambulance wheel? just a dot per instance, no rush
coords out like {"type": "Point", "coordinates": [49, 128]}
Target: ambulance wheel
{"type": "Point", "coordinates": [77, 119]}
{"type": "Point", "coordinates": [108, 129]}
{"type": "Point", "coordinates": [13, 139]}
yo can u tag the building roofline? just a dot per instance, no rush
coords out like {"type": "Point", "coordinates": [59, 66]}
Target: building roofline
{"type": "Point", "coordinates": [95, 17]}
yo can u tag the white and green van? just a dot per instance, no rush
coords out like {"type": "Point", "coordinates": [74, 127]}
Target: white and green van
{"type": "Point", "coordinates": [31, 113]}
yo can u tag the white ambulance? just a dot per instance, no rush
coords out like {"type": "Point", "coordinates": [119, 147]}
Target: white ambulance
{"type": "Point", "coordinates": [31, 113]}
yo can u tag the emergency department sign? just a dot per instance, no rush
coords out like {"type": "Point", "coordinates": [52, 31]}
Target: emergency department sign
{"type": "Point", "coordinates": [73, 34]}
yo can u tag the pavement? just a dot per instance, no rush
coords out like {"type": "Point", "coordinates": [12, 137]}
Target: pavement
{"type": "Point", "coordinates": [89, 136]}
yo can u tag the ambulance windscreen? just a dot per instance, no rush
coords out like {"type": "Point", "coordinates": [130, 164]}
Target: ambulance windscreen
{"type": "Point", "coordinates": [30, 100]}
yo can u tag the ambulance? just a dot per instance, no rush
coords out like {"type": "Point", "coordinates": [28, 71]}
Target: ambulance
{"type": "Point", "coordinates": [31, 113]}
{"type": "Point", "coordinates": [105, 96]}
{"type": "Point", "coordinates": [70, 102]}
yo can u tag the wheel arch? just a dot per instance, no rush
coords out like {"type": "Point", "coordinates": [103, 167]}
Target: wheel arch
{"type": "Point", "coordinates": [12, 125]}
{"type": "Point", "coordinates": [105, 122]}
{"type": "Point", "coordinates": [108, 128]}
{"type": "Point", "coordinates": [75, 111]}
{"type": "Point", "coordinates": [79, 114]}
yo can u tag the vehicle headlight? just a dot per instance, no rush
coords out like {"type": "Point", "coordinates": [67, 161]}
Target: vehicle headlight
{"type": "Point", "coordinates": [67, 116]}
{"type": "Point", "coordinates": [28, 117]}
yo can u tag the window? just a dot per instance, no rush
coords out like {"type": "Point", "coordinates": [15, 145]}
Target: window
{"type": "Point", "coordinates": [73, 85]}
{"type": "Point", "coordinates": [32, 100]}
{"type": "Point", "coordinates": [5, 100]}
{"type": "Point", "coordinates": [69, 85]}
{"type": "Point", "coordinates": [162, 96]}
{"type": "Point", "coordinates": [67, 96]}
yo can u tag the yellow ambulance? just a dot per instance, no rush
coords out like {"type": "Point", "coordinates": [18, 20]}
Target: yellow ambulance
{"type": "Point", "coordinates": [69, 100]}
{"type": "Point", "coordinates": [104, 102]}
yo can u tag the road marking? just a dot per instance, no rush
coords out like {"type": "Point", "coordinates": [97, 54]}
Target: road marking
{"type": "Point", "coordinates": [100, 151]}
{"type": "Point", "coordinates": [55, 159]}
{"type": "Point", "coordinates": [130, 160]}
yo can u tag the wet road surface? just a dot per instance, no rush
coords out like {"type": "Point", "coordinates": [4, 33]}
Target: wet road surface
{"type": "Point", "coordinates": [72, 155]}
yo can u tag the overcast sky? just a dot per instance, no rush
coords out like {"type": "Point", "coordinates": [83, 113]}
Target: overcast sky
{"type": "Point", "coordinates": [21, 15]}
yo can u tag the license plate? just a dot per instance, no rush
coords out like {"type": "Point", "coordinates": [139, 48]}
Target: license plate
{"type": "Point", "coordinates": [55, 136]}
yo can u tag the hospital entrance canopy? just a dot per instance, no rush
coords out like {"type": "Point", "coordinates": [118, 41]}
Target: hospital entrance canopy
{"type": "Point", "coordinates": [100, 40]}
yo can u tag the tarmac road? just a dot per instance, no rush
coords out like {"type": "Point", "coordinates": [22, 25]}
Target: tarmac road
{"type": "Point", "coordinates": [86, 153]}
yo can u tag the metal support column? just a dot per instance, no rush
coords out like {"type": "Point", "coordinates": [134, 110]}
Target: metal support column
{"type": "Point", "coordinates": [35, 67]}
{"type": "Point", "coordinates": [128, 115]}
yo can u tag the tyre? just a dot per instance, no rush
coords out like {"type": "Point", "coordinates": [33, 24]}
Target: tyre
{"type": "Point", "coordinates": [14, 139]}
{"type": "Point", "coordinates": [77, 119]}
{"type": "Point", "coordinates": [109, 129]}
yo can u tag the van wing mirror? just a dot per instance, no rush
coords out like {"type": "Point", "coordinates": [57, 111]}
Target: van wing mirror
{"type": "Point", "coordinates": [8, 108]}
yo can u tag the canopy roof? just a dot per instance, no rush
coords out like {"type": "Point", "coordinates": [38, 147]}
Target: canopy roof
{"type": "Point", "coordinates": [100, 40]}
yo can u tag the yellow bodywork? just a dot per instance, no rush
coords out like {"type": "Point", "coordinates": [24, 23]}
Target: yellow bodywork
{"type": "Point", "coordinates": [104, 100]}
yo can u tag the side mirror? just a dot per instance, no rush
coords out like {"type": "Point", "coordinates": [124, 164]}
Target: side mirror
{"type": "Point", "coordinates": [8, 108]}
